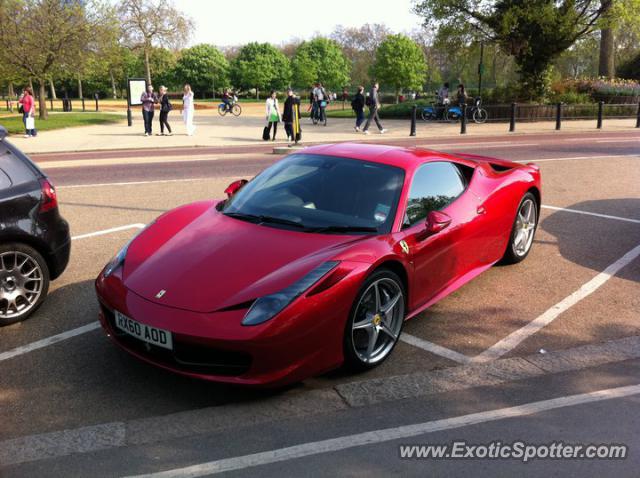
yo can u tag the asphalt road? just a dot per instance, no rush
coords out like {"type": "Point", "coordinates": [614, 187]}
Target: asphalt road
{"type": "Point", "coordinates": [588, 228]}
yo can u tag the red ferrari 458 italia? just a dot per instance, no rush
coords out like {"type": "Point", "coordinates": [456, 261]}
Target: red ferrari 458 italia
{"type": "Point", "coordinates": [314, 263]}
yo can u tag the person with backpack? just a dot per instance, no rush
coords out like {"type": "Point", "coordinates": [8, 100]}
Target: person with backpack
{"type": "Point", "coordinates": [291, 117]}
{"type": "Point", "coordinates": [273, 116]}
{"type": "Point", "coordinates": [374, 105]}
{"type": "Point", "coordinates": [321, 99]}
{"type": "Point", "coordinates": [165, 108]}
{"type": "Point", "coordinates": [357, 104]}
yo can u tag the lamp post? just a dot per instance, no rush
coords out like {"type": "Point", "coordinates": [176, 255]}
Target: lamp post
{"type": "Point", "coordinates": [480, 68]}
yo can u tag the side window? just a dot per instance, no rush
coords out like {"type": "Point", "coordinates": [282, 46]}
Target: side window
{"type": "Point", "coordinates": [435, 186]}
{"type": "Point", "coordinates": [5, 182]}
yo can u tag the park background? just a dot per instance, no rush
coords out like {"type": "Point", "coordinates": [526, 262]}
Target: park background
{"type": "Point", "coordinates": [539, 52]}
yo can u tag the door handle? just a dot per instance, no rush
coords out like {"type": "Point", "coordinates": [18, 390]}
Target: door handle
{"type": "Point", "coordinates": [481, 210]}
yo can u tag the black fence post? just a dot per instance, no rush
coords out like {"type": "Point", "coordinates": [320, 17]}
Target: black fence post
{"type": "Point", "coordinates": [51, 103]}
{"type": "Point", "coordinates": [512, 121]}
{"type": "Point", "coordinates": [83, 108]}
{"type": "Point", "coordinates": [413, 121]}
{"type": "Point", "coordinates": [558, 115]}
{"type": "Point", "coordinates": [96, 98]}
{"type": "Point", "coordinates": [600, 108]}
{"type": "Point", "coordinates": [463, 120]}
{"type": "Point", "coordinates": [638, 117]}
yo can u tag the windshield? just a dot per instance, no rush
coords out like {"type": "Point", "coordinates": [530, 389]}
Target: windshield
{"type": "Point", "coordinates": [326, 194]}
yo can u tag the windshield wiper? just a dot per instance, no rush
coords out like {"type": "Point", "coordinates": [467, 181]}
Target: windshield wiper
{"type": "Point", "coordinates": [261, 219]}
{"type": "Point", "coordinates": [342, 229]}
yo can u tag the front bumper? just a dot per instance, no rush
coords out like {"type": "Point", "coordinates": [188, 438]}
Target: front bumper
{"type": "Point", "coordinates": [304, 340]}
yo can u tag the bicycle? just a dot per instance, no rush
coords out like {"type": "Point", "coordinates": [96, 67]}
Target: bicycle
{"type": "Point", "coordinates": [319, 113]}
{"type": "Point", "coordinates": [233, 107]}
{"type": "Point", "coordinates": [477, 113]}
{"type": "Point", "coordinates": [444, 112]}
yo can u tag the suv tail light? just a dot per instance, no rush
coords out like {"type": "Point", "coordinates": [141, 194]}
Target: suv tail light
{"type": "Point", "coordinates": [49, 197]}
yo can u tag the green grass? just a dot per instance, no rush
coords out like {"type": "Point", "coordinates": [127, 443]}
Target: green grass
{"type": "Point", "coordinates": [14, 124]}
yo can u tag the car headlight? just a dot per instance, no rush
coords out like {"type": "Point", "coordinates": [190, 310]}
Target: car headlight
{"type": "Point", "coordinates": [119, 258]}
{"type": "Point", "coordinates": [269, 306]}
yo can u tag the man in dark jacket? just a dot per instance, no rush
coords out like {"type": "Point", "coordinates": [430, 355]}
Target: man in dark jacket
{"type": "Point", "coordinates": [374, 106]}
{"type": "Point", "coordinates": [357, 104]}
{"type": "Point", "coordinates": [291, 117]}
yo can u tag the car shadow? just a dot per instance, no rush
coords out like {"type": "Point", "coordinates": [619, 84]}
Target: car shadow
{"type": "Point", "coordinates": [596, 242]}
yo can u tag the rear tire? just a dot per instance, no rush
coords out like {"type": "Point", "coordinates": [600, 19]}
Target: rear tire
{"type": "Point", "coordinates": [24, 282]}
{"type": "Point", "coordinates": [374, 325]}
{"type": "Point", "coordinates": [222, 110]}
{"type": "Point", "coordinates": [523, 231]}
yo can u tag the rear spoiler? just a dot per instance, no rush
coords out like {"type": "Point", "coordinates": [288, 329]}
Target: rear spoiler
{"type": "Point", "coordinates": [3, 132]}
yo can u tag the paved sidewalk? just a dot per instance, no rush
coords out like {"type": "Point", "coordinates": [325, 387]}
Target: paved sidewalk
{"type": "Point", "coordinates": [213, 130]}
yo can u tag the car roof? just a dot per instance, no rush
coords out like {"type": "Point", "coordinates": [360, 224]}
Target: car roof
{"type": "Point", "coordinates": [402, 157]}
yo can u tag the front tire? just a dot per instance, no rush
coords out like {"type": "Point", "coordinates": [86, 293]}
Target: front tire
{"type": "Point", "coordinates": [24, 282]}
{"type": "Point", "coordinates": [236, 110]}
{"type": "Point", "coordinates": [523, 230]}
{"type": "Point", "coordinates": [375, 322]}
{"type": "Point", "coordinates": [480, 116]}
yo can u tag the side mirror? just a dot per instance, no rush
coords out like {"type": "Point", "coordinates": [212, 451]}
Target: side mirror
{"type": "Point", "coordinates": [234, 187]}
{"type": "Point", "coordinates": [437, 221]}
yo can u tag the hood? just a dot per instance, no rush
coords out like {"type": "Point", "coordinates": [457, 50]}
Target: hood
{"type": "Point", "coordinates": [214, 261]}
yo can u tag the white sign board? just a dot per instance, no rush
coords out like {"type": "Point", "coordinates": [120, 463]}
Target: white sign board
{"type": "Point", "coordinates": [136, 88]}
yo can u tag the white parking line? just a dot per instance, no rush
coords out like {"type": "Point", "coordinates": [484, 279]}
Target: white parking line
{"type": "Point", "coordinates": [577, 158]}
{"type": "Point", "coordinates": [54, 339]}
{"type": "Point", "coordinates": [434, 348]}
{"type": "Point", "coordinates": [586, 213]}
{"type": "Point", "coordinates": [108, 231]}
{"type": "Point", "coordinates": [515, 338]}
{"type": "Point", "coordinates": [131, 183]}
{"type": "Point", "coordinates": [389, 434]}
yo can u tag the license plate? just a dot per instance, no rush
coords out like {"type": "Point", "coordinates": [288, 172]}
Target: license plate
{"type": "Point", "coordinates": [161, 338]}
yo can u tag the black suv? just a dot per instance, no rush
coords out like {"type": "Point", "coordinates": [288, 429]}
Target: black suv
{"type": "Point", "coordinates": [34, 238]}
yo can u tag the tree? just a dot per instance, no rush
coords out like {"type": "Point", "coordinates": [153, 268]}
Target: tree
{"type": "Point", "coordinates": [203, 67]}
{"type": "Point", "coordinates": [260, 66]}
{"type": "Point", "coordinates": [630, 69]}
{"type": "Point", "coordinates": [359, 45]}
{"type": "Point", "coordinates": [149, 23]}
{"type": "Point", "coordinates": [400, 63]}
{"type": "Point", "coordinates": [38, 36]}
{"type": "Point", "coordinates": [534, 32]}
{"type": "Point", "coordinates": [620, 21]}
{"type": "Point", "coordinates": [320, 59]}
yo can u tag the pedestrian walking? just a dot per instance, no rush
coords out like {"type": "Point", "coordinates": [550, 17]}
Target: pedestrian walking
{"type": "Point", "coordinates": [357, 104]}
{"type": "Point", "coordinates": [187, 110]}
{"type": "Point", "coordinates": [374, 106]}
{"type": "Point", "coordinates": [148, 100]}
{"type": "Point", "coordinates": [28, 105]}
{"type": "Point", "coordinates": [273, 114]}
{"type": "Point", "coordinates": [291, 117]}
{"type": "Point", "coordinates": [165, 109]}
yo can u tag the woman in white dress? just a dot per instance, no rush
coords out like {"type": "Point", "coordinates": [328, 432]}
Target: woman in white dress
{"type": "Point", "coordinates": [187, 110]}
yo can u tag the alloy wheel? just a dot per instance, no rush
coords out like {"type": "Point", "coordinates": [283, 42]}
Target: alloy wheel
{"type": "Point", "coordinates": [21, 284]}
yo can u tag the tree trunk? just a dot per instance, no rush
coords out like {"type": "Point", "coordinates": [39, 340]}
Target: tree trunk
{"type": "Point", "coordinates": [606, 65]}
{"type": "Point", "coordinates": [398, 91]}
{"type": "Point", "coordinates": [31, 85]}
{"type": "Point", "coordinates": [52, 87]}
{"type": "Point", "coordinates": [42, 100]}
{"type": "Point", "coordinates": [147, 68]}
{"type": "Point", "coordinates": [80, 92]}
{"type": "Point", "coordinates": [257, 93]}
{"type": "Point", "coordinates": [11, 91]}
{"type": "Point", "coordinates": [113, 85]}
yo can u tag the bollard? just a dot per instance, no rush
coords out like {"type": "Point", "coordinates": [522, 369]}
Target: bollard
{"type": "Point", "coordinates": [51, 103]}
{"type": "Point", "coordinates": [512, 121]}
{"type": "Point", "coordinates": [96, 102]}
{"type": "Point", "coordinates": [463, 119]}
{"type": "Point", "coordinates": [558, 116]}
{"type": "Point", "coordinates": [600, 108]}
{"type": "Point", "coordinates": [129, 117]}
{"type": "Point", "coordinates": [638, 118]}
{"type": "Point", "coordinates": [83, 109]}
{"type": "Point", "coordinates": [413, 121]}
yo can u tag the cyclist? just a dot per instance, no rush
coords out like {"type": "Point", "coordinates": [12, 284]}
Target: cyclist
{"type": "Point", "coordinates": [227, 98]}
{"type": "Point", "coordinates": [443, 94]}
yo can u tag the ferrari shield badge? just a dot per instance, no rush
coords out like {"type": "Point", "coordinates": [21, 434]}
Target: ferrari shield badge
{"type": "Point", "coordinates": [405, 247]}
{"type": "Point", "coordinates": [160, 294]}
